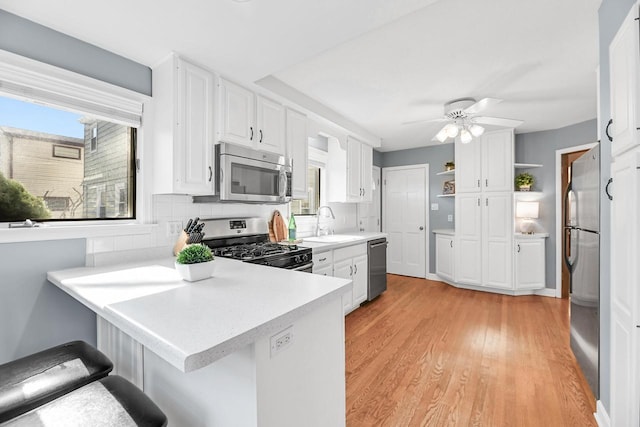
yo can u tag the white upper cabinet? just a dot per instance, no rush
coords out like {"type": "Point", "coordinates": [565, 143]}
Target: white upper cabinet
{"type": "Point", "coordinates": [236, 114]}
{"type": "Point", "coordinates": [485, 163]}
{"type": "Point", "coordinates": [624, 68]}
{"type": "Point", "coordinates": [183, 95]}
{"type": "Point", "coordinates": [297, 149]}
{"type": "Point", "coordinates": [349, 171]}
{"type": "Point", "coordinates": [270, 125]}
{"type": "Point", "coordinates": [250, 120]}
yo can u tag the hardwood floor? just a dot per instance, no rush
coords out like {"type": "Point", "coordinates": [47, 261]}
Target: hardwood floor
{"type": "Point", "coordinates": [427, 354]}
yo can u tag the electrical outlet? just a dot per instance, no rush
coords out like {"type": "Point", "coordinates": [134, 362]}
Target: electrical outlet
{"type": "Point", "coordinates": [281, 340]}
{"type": "Point", "coordinates": [173, 228]}
{"type": "Point", "coordinates": [450, 218]}
{"type": "Point", "coordinates": [434, 206]}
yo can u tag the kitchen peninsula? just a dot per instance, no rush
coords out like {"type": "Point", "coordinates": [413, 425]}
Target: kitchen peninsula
{"type": "Point", "coordinates": [250, 346]}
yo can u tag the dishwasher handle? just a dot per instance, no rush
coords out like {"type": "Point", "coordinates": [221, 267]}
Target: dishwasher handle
{"type": "Point", "coordinates": [377, 245]}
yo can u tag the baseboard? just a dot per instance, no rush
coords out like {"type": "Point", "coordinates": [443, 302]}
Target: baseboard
{"type": "Point", "coordinates": [601, 415]}
{"type": "Point", "coordinates": [546, 292]}
{"type": "Point", "coordinates": [432, 276]}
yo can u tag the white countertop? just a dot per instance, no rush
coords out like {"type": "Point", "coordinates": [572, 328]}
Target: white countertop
{"type": "Point", "coordinates": [192, 325]}
{"type": "Point", "coordinates": [447, 231]}
{"type": "Point", "coordinates": [355, 238]}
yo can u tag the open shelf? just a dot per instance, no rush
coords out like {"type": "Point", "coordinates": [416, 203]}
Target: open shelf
{"type": "Point", "coordinates": [526, 165]}
{"type": "Point", "coordinates": [446, 195]}
{"type": "Point", "coordinates": [449, 172]}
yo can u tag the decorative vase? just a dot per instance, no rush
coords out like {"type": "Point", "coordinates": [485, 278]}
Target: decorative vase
{"type": "Point", "coordinates": [195, 272]}
{"type": "Point", "coordinates": [525, 188]}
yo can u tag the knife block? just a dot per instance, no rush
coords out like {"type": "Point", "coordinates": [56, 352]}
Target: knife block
{"type": "Point", "coordinates": [180, 243]}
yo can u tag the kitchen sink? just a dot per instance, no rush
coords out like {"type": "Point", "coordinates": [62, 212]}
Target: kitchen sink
{"type": "Point", "coordinates": [331, 238]}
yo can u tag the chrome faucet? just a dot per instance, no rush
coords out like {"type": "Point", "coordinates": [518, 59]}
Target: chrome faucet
{"type": "Point", "coordinates": [327, 230]}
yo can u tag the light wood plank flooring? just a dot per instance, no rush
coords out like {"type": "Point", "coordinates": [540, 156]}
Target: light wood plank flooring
{"type": "Point", "coordinates": [427, 354]}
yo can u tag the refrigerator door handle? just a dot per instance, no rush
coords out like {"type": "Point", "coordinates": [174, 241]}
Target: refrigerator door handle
{"type": "Point", "coordinates": [567, 205]}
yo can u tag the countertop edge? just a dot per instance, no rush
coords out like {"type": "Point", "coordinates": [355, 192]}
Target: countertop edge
{"type": "Point", "coordinates": [327, 246]}
{"type": "Point", "coordinates": [446, 231]}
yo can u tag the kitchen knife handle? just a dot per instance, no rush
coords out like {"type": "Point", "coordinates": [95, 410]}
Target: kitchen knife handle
{"type": "Point", "coordinates": [606, 189]}
{"type": "Point", "coordinates": [606, 130]}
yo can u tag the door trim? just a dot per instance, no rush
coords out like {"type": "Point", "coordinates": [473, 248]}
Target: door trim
{"type": "Point", "coordinates": [559, 201]}
{"type": "Point", "coordinates": [427, 201]}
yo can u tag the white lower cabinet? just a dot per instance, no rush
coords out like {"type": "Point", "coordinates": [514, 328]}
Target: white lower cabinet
{"type": "Point", "coordinates": [351, 263]}
{"type": "Point", "coordinates": [529, 262]}
{"type": "Point", "coordinates": [445, 256]}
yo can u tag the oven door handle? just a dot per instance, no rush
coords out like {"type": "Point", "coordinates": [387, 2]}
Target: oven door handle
{"type": "Point", "coordinates": [303, 267]}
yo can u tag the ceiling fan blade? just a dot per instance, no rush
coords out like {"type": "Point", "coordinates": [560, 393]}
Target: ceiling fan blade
{"type": "Point", "coordinates": [439, 119]}
{"type": "Point", "coordinates": [497, 121]}
{"type": "Point", "coordinates": [484, 103]}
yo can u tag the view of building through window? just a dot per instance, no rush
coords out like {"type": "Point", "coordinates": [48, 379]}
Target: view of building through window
{"type": "Point", "coordinates": [60, 165]}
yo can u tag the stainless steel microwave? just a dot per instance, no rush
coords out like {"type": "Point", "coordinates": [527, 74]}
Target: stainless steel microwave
{"type": "Point", "coordinates": [247, 175]}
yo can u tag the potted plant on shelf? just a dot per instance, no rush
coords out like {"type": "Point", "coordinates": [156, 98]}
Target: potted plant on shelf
{"type": "Point", "coordinates": [195, 262]}
{"type": "Point", "coordinates": [449, 166]}
{"type": "Point", "coordinates": [524, 181]}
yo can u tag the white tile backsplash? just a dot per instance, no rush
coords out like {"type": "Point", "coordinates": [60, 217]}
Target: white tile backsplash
{"type": "Point", "coordinates": [167, 207]}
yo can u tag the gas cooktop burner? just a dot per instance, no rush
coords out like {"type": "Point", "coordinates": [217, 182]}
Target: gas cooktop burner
{"type": "Point", "coordinates": [253, 250]}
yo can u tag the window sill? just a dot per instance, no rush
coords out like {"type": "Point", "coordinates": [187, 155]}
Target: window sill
{"type": "Point", "coordinates": [61, 232]}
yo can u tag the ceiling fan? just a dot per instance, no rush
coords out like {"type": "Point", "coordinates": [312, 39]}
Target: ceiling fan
{"type": "Point", "coordinates": [462, 118]}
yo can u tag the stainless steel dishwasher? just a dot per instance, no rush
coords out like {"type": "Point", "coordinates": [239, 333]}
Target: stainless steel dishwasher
{"type": "Point", "coordinates": [377, 275]}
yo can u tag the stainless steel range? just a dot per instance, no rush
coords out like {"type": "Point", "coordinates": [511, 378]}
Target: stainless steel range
{"type": "Point", "coordinates": [247, 239]}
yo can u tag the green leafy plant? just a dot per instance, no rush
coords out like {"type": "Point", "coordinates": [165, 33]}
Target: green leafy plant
{"type": "Point", "coordinates": [194, 254]}
{"type": "Point", "coordinates": [524, 179]}
{"type": "Point", "coordinates": [17, 204]}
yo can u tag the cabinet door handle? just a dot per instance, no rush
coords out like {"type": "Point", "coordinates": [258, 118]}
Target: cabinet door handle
{"type": "Point", "coordinates": [322, 259]}
{"type": "Point", "coordinates": [421, 228]}
{"type": "Point", "coordinates": [486, 182]}
{"type": "Point", "coordinates": [260, 135]}
{"type": "Point", "coordinates": [350, 270]}
{"type": "Point", "coordinates": [606, 130]}
{"type": "Point", "coordinates": [486, 202]}
{"type": "Point", "coordinates": [355, 269]}
{"type": "Point", "coordinates": [606, 189]}
{"type": "Point", "coordinates": [251, 137]}
{"type": "Point", "coordinates": [364, 192]}
{"type": "Point", "coordinates": [210, 173]}
{"type": "Point", "coordinates": [518, 247]}
{"type": "Point", "coordinates": [451, 243]}
{"type": "Point", "coordinates": [478, 183]}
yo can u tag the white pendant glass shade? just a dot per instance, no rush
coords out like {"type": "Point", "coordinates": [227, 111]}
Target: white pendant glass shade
{"type": "Point", "coordinates": [465, 136]}
{"type": "Point", "coordinates": [442, 135]}
{"type": "Point", "coordinates": [452, 130]}
{"type": "Point", "coordinates": [476, 130]}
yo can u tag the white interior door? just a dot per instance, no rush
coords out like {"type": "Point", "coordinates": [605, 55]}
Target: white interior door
{"type": "Point", "coordinates": [405, 219]}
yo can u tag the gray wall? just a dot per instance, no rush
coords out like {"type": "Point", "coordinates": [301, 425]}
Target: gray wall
{"type": "Point", "coordinates": [34, 314]}
{"type": "Point", "coordinates": [610, 16]}
{"type": "Point", "coordinates": [377, 158]}
{"type": "Point", "coordinates": [26, 38]}
{"type": "Point", "coordinates": [540, 147]}
{"type": "Point", "coordinates": [436, 156]}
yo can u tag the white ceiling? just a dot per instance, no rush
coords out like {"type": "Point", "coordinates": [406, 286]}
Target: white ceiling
{"type": "Point", "coordinates": [378, 63]}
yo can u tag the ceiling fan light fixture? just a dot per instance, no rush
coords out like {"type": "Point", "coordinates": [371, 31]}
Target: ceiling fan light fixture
{"type": "Point", "coordinates": [465, 136]}
{"type": "Point", "coordinates": [476, 130]}
{"type": "Point", "coordinates": [451, 130]}
{"type": "Point", "coordinates": [442, 135]}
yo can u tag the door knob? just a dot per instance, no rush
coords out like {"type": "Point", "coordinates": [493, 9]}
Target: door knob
{"type": "Point", "coordinates": [421, 228]}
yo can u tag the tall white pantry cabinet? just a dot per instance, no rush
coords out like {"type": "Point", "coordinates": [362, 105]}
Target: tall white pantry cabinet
{"type": "Point", "coordinates": [484, 210]}
{"type": "Point", "coordinates": [624, 63]}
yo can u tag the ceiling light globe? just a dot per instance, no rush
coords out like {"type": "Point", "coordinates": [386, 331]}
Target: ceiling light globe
{"type": "Point", "coordinates": [452, 130]}
{"type": "Point", "coordinates": [476, 130]}
{"type": "Point", "coordinates": [465, 136]}
{"type": "Point", "coordinates": [442, 135]}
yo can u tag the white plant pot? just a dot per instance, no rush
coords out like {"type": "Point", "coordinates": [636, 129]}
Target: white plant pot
{"type": "Point", "coordinates": [195, 272]}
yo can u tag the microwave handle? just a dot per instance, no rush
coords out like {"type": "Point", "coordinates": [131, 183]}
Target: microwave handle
{"type": "Point", "coordinates": [283, 185]}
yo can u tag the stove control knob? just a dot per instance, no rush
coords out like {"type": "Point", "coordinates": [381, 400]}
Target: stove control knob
{"type": "Point", "coordinates": [297, 259]}
{"type": "Point", "coordinates": [305, 257]}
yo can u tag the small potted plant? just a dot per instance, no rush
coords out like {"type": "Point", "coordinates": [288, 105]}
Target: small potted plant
{"type": "Point", "coordinates": [195, 262]}
{"type": "Point", "coordinates": [524, 181]}
{"type": "Point", "coordinates": [449, 166]}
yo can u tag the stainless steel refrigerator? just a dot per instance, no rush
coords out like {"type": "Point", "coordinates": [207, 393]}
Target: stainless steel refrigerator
{"type": "Point", "coordinates": [582, 256]}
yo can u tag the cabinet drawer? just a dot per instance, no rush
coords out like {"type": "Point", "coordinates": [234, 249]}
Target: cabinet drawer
{"type": "Point", "coordinates": [350, 251]}
{"type": "Point", "coordinates": [322, 259]}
